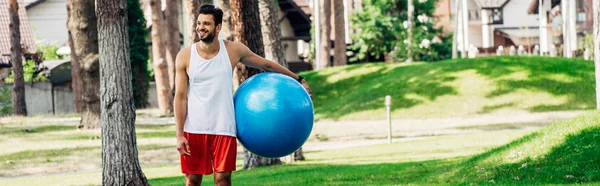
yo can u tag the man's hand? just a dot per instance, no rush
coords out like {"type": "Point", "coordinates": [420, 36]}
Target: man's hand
{"type": "Point", "coordinates": [307, 88]}
{"type": "Point", "coordinates": [183, 146]}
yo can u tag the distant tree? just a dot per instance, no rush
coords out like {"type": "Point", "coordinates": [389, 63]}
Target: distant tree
{"type": "Point", "coordinates": [138, 51]}
{"type": "Point", "coordinates": [161, 72]}
{"type": "Point", "coordinates": [340, 34]}
{"type": "Point", "coordinates": [19, 106]}
{"type": "Point", "coordinates": [84, 34]}
{"type": "Point", "coordinates": [383, 31]}
{"type": "Point", "coordinates": [596, 8]}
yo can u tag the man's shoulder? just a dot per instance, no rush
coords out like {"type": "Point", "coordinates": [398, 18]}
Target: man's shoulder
{"type": "Point", "coordinates": [183, 57]}
{"type": "Point", "coordinates": [185, 50]}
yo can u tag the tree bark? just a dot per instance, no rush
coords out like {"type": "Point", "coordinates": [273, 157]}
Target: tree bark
{"type": "Point", "coordinates": [325, 20]}
{"type": "Point", "coordinates": [247, 30]}
{"type": "Point", "coordinates": [120, 165]}
{"type": "Point", "coordinates": [340, 34]}
{"type": "Point", "coordinates": [269, 19]}
{"type": "Point", "coordinates": [161, 73]}
{"type": "Point", "coordinates": [16, 53]}
{"type": "Point", "coordinates": [192, 8]}
{"type": "Point", "coordinates": [227, 27]}
{"type": "Point", "coordinates": [173, 42]}
{"type": "Point", "coordinates": [596, 12]}
{"type": "Point", "coordinates": [75, 79]}
{"type": "Point", "coordinates": [83, 28]}
{"type": "Point", "coordinates": [274, 51]}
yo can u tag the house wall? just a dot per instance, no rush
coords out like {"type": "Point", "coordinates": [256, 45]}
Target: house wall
{"type": "Point", "coordinates": [290, 47]}
{"type": "Point", "coordinates": [48, 21]}
{"type": "Point", "coordinates": [515, 14]}
{"type": "Point", "coordinates": [475, 35]}
{"type": "Point", "coordinates": [443, 14]}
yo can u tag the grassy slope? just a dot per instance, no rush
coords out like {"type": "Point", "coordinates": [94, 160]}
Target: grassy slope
{"type": "Point", "coordinates": [564, 153]}
{"type": "Point", "coordinates": [453, 88]}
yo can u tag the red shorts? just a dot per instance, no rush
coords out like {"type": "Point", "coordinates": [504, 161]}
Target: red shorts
{"type": "Point", "coordinates": [209, 153]}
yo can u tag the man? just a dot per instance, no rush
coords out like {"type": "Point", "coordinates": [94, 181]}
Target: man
{"type": "Point", "coordinates": [204, 112]}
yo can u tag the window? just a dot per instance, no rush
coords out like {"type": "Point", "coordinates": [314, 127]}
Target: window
{"type": "Point", "coordinates": [496, 16]}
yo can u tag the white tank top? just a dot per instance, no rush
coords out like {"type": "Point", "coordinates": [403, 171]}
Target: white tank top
{"type": "Point", "coordinates": [210, 94]}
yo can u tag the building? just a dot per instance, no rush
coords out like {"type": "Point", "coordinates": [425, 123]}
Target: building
{"type": "Point", "coordinates": [27, 41]}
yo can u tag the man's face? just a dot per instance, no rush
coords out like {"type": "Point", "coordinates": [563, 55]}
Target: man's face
{"type": "Point", "coordinates": [206, 28]}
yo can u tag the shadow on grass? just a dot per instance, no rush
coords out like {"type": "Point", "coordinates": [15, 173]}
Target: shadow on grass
{"type": "Point", "coordinates": [368, 91]}
{"type": "Point", "coordinates": [425, 172]}
{"type": "Point", "coordinates": [572, 78]}
{"type": "Point", "coordinates": [575, 160]}
{"type": "Point", "coordinates": [503, 126]}
{"type": "Point", "coordinates": [34, 129]}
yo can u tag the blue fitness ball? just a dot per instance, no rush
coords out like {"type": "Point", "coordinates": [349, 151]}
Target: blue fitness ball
{"type": "Point", "coordinates": [274, 114]}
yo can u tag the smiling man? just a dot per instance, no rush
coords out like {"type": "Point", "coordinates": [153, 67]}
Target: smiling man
{"type": "Point", "coordinates": [204, 110]}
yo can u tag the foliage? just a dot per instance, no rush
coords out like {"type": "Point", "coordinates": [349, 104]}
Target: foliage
{"type": "Point", "coordinates": [138, 50]}
{"type": "Point", "coordinates": [5, 101]}
{"type": "Point", "coordinates": [48, 51]}
{"type": "Point", "coordinates": [29, 73]}
{"type": "Point", "coordinates": [587, 42]}
{"type": "Point", "coordinates": [383, 31]}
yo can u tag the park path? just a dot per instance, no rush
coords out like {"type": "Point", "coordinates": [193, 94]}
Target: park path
{"type": "Point", "coordinates": [348, 134]}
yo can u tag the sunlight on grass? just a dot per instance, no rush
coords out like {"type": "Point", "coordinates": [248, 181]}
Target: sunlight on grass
{"type": "Point", "coordinates": [453, 88]}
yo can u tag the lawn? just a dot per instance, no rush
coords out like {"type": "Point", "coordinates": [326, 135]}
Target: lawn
{"type": "Point", "coordinates": [564, 153]}
{"type": "Point", "coordinates": [453, 88]}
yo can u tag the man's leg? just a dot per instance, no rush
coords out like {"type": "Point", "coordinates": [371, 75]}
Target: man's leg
{"type": "Point", "coordinates": [223, 178]}
{"type": "Point", "coordinates": [193, 179]}
{"type": "Point", "coordinates": [224, 154]}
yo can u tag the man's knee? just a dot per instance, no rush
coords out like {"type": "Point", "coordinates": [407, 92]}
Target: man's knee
{"type": "Point", "coordinates": [193, 179]}
{"type": "Point", "coordinates": [223, 178]}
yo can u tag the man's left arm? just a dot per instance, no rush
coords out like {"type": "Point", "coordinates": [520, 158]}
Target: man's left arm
{"type": "Point", "coordinates": [251, 59]}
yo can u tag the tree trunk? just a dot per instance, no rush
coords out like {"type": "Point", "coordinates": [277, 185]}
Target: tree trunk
{"type": "Point", "coordinates": [161, 73]}
{"type": "Point", "coordinates": [75, 79]}
{"type": "Point", "coordinates": [409, 53]}
{"type": "Point", "coordinates": [596, 12]}
{"type": "Point", "coordinates": [138, 53]}
{"type": "Point", "coordinates": [274, 51]}
{"type": "Point", "coordinates": [173, 42]}
{"type": "Point", "coordinates": [245, 16]}
{"type": "Point", "coordinates": [456, 29]}
{"type": "Point", "coordinates": [17, 60]}
{"type": "Point", "coordinates": [227, 27]}
{"type": "Point", "coordinates": [120, 165]}
{"type": "Point", "coordinates": [192, 8]}
{"type": "Point", "coordinates": [325, 19]}
{"type": "Point", "coordinates": [83, 29]}
{"type": "Point", "coordinates": [340, 34]}
{"type": "Point", "coordinates": [269, 19]}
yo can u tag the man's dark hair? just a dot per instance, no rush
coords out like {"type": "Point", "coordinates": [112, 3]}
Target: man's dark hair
{"type": "Point", "coordinates": [212, 10]}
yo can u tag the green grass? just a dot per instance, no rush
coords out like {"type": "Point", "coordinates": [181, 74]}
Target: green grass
{"type": "Point", "coordinates": [453, 88]}
{"type": "Point", "coordinates": [564, 153]}
{"type": "Point", "coordinates": [15, 131]}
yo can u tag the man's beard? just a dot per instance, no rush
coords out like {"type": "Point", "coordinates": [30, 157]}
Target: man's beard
{"type": "Point", "coordinates": [209, 37]}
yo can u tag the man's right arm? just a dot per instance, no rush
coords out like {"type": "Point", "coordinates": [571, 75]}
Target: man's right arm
{"type": "Point", "coordinates": [180, 99]}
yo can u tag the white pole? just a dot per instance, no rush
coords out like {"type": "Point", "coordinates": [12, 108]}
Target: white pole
{"type": "Point", "coordinates": [543, 28]}
{"type": "Point", "coordinates": [388, 103]}
{"type": "Point", "coordinates": [485, 28]}
{"type": "Point", "coordinates": [317, 34]}
{"type": "Point", "coordinates": [411, 10]}
{"type": "Point", "coordinates": [465, 16]}
{"type": "Point", "coordinates": [573, 26]}
{"type": "Point", "coordinates": [566, 28]}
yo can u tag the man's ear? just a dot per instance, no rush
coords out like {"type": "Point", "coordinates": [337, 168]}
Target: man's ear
{"type": "Point", "coordinates": [219, 27]}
